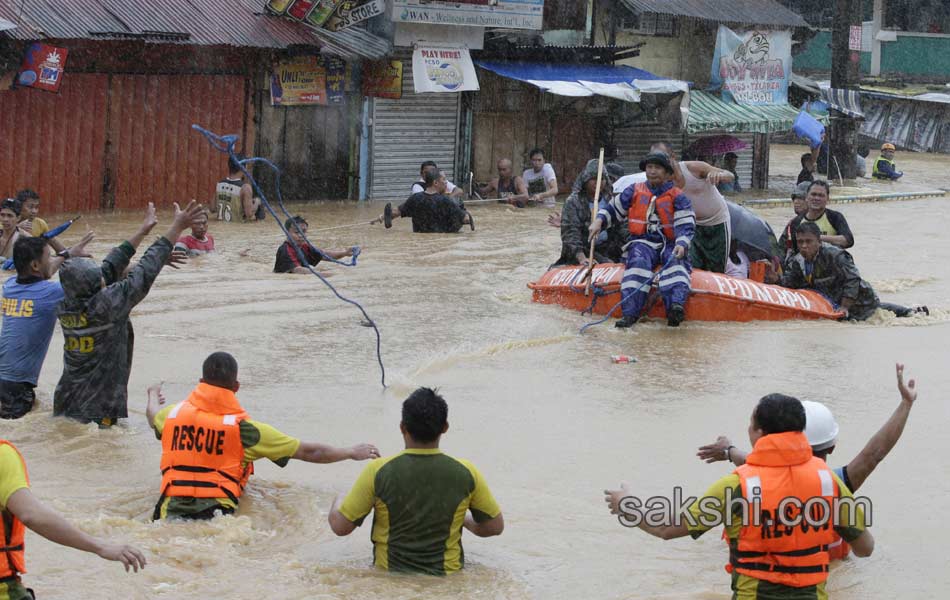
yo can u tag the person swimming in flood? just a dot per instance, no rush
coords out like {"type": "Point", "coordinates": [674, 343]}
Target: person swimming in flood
{"type": "Point", "coordinates": [831, 271]}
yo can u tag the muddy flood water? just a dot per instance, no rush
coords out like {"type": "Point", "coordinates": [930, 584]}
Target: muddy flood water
{"type": "Point", "coordinates": [541, 410]}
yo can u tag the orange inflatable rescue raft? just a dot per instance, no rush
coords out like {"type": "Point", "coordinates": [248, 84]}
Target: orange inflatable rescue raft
{"type": "Point", "coordinates": [714, 296]}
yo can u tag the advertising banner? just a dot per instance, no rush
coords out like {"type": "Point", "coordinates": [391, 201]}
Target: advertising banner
{"type": "Point", "coordinates": [383, 79]}
{"type": "Point", "coordinates": [336, 79]}
{"type": "Point", "coordinates": [443, 70]}
{"type": "Point", "coordinates": [299, 81]}
{"type": "Point", "coordinates": [507, 14]}
{"type": "Point", "coordinates": [43, 67]}
{"type": "Point", "coordinates": [278, 7]}
{"type": "Point", "coordinates": [299, 9]}
{"type": "Point", "coordinates": [752, 67]}
{"type": "Point", "coordinates": [321, 11]}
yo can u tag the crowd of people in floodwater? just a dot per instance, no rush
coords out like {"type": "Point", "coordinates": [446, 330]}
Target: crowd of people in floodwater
{"type": "Point", "coordinates": [661, 223]}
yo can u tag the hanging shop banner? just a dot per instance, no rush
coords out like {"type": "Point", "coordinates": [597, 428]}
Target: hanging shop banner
{"type": "Point", "coordinates": [299, 9]}
{"type": "Point", "coordinates": [336, 79]}
{"type": "Point", "coordinates": [299, 81]}
{"type": "Point", "coordinates": [43, 67]}
{"type": "Point", "coordinates": [321, 12]}
{"type": "Point", "coordinates": [383, 79]}
{"type": "Point", "coordinates": [351, 13]}
{"type": "Point", "coordinates": [752, 67]}
{"type": "Point", "coordinates": [443, 70]}
{"type": "Point", "coordinates": [278, 7]}
{"type": "Point", "coordinates": [507, 14]}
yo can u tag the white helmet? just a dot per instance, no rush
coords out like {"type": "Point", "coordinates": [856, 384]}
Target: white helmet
{"type": "Point", "coordinates": [821, 429]}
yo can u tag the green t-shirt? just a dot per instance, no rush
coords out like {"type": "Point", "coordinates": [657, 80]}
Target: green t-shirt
{"type": "Point", "coordinates": [259, 441]}
{"type": "Point", "coordinates": [420, 497]}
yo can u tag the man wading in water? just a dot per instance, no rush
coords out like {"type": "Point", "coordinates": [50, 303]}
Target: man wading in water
{"type": "Point", "coordinates": [431, 211]}
{"type": "Point", "coordinates": [769, 558]}
{"type": "Point", "coordinates": [94, 315]}
{"type": "Point", "coordinates": [831, 271]}
{"type": "Point", "coordinates": [209, 445]}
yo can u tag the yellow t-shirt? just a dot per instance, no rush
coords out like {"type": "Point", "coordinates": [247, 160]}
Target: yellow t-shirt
{"type": "Point", "coordinates": [420, 497]}
{"type": "Point", "coordinates": [12, 474]}
{"type": "Point", "coordinates": [823, 224]}
{"type": "Point", "coordinates": [260, 440]}
{"type": "Point", "coordinates": [743, 586]}
{"type": "Point", "coordinates": [39, 227]}
{"type": "Point", "coordinates": [12, 478]}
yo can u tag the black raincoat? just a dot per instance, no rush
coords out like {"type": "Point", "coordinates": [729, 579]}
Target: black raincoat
{"type": "Point", "coordinates": [834, 274]}
{"type": "Point", "coordinates": [97, 354]}
{"type": "Point", "coordinates": [575, 223]}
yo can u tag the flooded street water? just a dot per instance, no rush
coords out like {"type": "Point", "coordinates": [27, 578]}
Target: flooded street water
{"type": "Point", "coordinates": [538, 408]}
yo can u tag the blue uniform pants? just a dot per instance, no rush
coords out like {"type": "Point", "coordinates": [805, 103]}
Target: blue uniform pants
{"type": "Point", "coordinates": [642, 258]}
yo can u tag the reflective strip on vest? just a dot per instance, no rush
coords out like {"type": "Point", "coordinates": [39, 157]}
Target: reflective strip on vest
{"type": "Point", "coordinates": [827, 483]}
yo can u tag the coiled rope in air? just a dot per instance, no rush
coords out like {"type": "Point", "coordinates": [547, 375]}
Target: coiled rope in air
{"type": "Point", "coordinates": [225, 143]}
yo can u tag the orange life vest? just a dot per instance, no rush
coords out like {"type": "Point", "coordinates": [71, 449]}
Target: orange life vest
{"type": "Point", "coordinates": [782, 466]}
{"type": "Point", "coordinates": [839, 549]}
{"type": "Point", "coordinates": [637, 218]}
{"type": "Point", "coordinates": [12, 561]}
{"type": "Point", "coordinates": [202, 454]}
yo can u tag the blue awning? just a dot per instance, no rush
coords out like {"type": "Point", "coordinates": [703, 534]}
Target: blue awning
{"type": "Point", "coordinates": [620, 82]}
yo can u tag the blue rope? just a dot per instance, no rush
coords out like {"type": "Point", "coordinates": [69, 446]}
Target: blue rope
{"type": "Point", "coordinates": [647, 284]}
{"type": "Point", "coordinates": [225, 143]}
{"type": "Point", "coordinates": [609, 312]}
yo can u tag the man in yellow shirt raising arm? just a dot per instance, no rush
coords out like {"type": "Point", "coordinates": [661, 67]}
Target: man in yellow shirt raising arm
{"type": "Point", "coordinates": [782, 510]}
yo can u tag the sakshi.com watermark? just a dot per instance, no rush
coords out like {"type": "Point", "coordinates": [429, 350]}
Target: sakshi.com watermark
{"type": "Point", "coordinates": [791, 512]}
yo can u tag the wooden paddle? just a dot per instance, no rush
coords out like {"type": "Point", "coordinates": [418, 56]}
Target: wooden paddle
{"type": "Point", "coordinates": [593, 216]}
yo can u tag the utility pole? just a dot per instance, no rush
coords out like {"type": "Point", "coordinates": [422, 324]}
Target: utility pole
{"type": "Point", "coordinates": [845, 74]}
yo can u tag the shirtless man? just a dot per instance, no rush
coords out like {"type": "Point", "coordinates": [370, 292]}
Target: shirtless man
{"type": "Point", "coordinates": [510, 188]}
{"type": "Point", "coordinates": [698, 180]}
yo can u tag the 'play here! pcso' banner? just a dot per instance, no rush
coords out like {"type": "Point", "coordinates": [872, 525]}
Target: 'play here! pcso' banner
{"type": "Point", "coordinates": [443, 70]}
{"type": "Point", "coordinates": [753, 67]}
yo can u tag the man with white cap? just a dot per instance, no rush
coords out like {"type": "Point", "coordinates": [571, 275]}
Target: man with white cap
{"type": "Point", "coordinates": [821, 429]}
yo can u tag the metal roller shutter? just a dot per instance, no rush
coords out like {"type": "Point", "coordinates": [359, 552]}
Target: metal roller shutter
{"type": "Point", "coordinates": [408, 131]}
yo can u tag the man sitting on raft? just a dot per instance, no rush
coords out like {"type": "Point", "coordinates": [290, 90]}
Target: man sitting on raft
{"type": "Point", "coordinates": [831, 271]}
{"type": "Point", "coordinates": [661, 223]}
{"type": "Point", "coordinates": [431, 211]}
{"type": "Point", "coordinates": [575, 225]}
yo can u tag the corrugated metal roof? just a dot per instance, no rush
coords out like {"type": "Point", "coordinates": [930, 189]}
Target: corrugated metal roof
{"type": "Point", "coordinates": [709, 113]}
{"type": "Point", "coordinates": [202, 22]}
{"type": "Point", "coordinates": [752, 12]}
